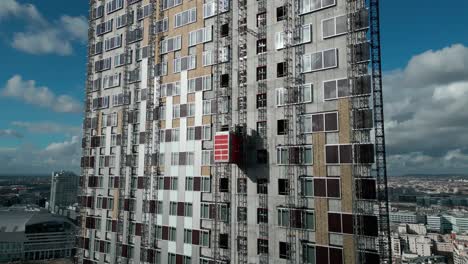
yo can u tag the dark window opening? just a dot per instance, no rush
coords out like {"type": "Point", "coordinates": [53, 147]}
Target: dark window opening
{"type": "Point", "coordinates": [225, 80]}
{"type": "Point", "coordinates": [261, 19]}
{"type": "Point", "coordinates": [262, 246]}
{"type": "Point", "coordinates": [261, 100]}
{"type": "Point", "coordinates": [283, 186]}
{"type": "Point", "coordinates": [224, 241]}
{"type": "Point", "coordinates": [262, 156]}
{"type": "Point", "coordinates": [281, 69]}
{"type": "Point", "coordinates": [281, 13]}
{"type": "Point", "coordinates": [262, 215]}
{"type": "Point", "coordinates": [282, 127]}
{"type": "Point", "coordinates": [284, 250]}
{"type": "Point", "coordinates": [261, 73]}
{"type": "Point", "coordinates": [224, 30]}
{"type": "Point", "coordinates": [224, 185]}
{"type": "Point", "coordinates": [262, 186]}
{"type": "Point", "coordinates": [261, 46]}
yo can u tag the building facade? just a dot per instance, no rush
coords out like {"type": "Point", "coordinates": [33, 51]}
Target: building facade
{"type": "Point", "coordinates": [63, 190]}
{"type": "Point", "coordinates": [239, 131]}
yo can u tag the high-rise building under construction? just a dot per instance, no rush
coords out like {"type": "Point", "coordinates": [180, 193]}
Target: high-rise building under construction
{"type": "Point", "coordinates": [234, 131]}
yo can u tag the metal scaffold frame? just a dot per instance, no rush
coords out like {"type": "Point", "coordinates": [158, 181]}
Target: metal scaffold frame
{"type": "Point", "coordinates": [125, 165]}
{"type": "Point", "coordinates": [222, 121]}
{"type": "Point", "coordinates": [379, 130]}
{"type": "Point", "coordinates": [87, 131]}
{"type": "Point", "coordinates": [241, 177]}
{"type": "Point", "coordinates": [358, 66]}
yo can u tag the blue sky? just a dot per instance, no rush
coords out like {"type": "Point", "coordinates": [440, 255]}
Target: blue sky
{"type": "Point", "coordinates": [38, 125]}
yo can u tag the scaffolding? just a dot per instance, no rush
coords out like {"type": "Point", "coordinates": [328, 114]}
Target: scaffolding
{"type": "Point", "coordinates": [360, 54]}
{"type": "Point", "coordinates": [87, 167]}
{"type": "Point", "coordinates": [242, 228]}
{"type": "Point", "coordinates": [126, 162]}
{"type": "Point", "coordinates": [152, 144]}
{"type": "Point", "coordinates": [222, 122]}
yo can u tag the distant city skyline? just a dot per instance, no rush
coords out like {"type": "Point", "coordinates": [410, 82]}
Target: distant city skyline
{"type": "Point", "coordinates": [41, 86]}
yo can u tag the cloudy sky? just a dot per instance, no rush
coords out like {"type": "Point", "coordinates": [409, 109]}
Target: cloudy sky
{"type": "Point", "coordinates": [42, 73]}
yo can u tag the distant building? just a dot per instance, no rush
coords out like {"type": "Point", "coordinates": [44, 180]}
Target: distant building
{"type": "Point", "coordinates": [457, 223]}
{"type": "Point", "coordinates": [460, 252]}
{"type": "Point", "coordinates": [406, 218]}
{"type": "Point", "coordinates": [63, 190]}
{"type": "Point", "coordinates": [30, 233]}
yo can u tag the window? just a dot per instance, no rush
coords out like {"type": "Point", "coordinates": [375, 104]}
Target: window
{"type": "Point", "coordinates": [262, 156]}
{"type": "Point", "coordinates": [175, 111]}
{"type": "Point", "coordinates": [102, 65]}
{"type": "Point", "coordinates": [261, 73]}
{"type": "Point", "coordinates": [314, 5]}
{"type": "Point", "coordinates": [307, 186]}
{"type": "Point", "coordinates": [321, 60]}
{"type": "Point", "coordinates": [262, 215]}
{"type": "Point", "coordinates": [261, 100]}
{"type": "Point", "coordinates": [210, 8]}
{"type": "Point", "coordinates": [281, 40]}
{"type": "Point", "coordinates": [334, 26]}
{"type": "Point", "coordinates": [113, 42]}
{"type": "Point", "coordinates": [185, 63]}
{"type": "Point", "coordinates": [262, 246]}
{"type": "Point", "coordinates": [323, 122]}
{"type": "Point", "coordinates": [205, 184]}
{"type": "Point", "coordinates": [114, 5]}
{"type": "Point", "coordinates": [224, 241]}
{"type": "Point", "coordinates": [339, 154]}
{"type": "Point", "coordinates": [284, 250]}
{"type": "Point", "coordinates": [187, 260]}
{"type": "Point", "coordinates": [261, 128]}
{"type": "Point", "coordinates": [204, 238]}
{"type": "Point", "coordinates": [189, 183]}
{"type": "Point", "coordinates": [225, 80]}
{"type": "Point", "coordinates": [199, 84]}
{"type": "Point", "coordinates": [188, 210]}
{"type": "Point", "coordinates": [305, 34]}
{"type": "Point", "coordinates": [241, 213]}
{"type": "Point", "coordinates": [309, 220]}
{"type": "Point", "coordinates": [283, 217]}
{"type": "Point", "coordinates": [282, 127]}
{"type": "Point", "coordinates": [308, 254]}
{"type": "Point", "coordinates": [170, 3]}
{"type": "Point", "coordinates": [171, 44]}
{"type": "Point", "coordinates": [281, 69]}
{"type": "Point", "coordinates": [207, 157]}
{"type": "Point", "coordinates": [294, 155]}
{"type": "Point", "coordinates": [104, 27]}
{"type": "Point", "coordinates": [175, 159]}
{"type": "Point", "coordinates": [327, 187]}
{"type": "Point", "coordinates": [173, 208]}
{"type": "Point", "coordinates": [188, 236]}
{"type": "Point", "coordinates": [200, 36]}
{"type": "Point", "coordinates": [185, 17]}
{"type": "Point", "coordinates": [97, 12]}
{"type": "Point", "coordinates": [283, 186]}
{"type": "Point", "coordinates": [224, 30]}
{"type": "Point", "coordinates": [161, 25]}
{"type": "Point", "coordinates": [261, 19]}
{"type": "Point", "coordinates": [262, 186]}
{"type": "Point", "coordinates": [224, 185]}
{"type": "Point", "coordinates": [335, 89]}
{"type": "Point", "coordinates": [172, 234]}
{"type": "Point", "coordinates": [261, 46]}
{"type": "Point", "coordinates": [206, 133]}
{"type": "Point", "coordinates": [144, 11]}
{"type": "Point", "coordinates": [281, 13]}
{"type": "Point", "coordinates": [135, 35]}
{"type": "Point", "coordinates": [205, 211]}
{"type": "Point", "coordinates": [298, 95]}
{"type": "Point", "coordinates": [171, 258]}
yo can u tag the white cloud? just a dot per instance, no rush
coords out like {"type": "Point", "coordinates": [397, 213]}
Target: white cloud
{"type": "Point", "coordinates": [76, 27]}
{"type": "Point", "coordinates": [47, 127]}
{"type": "Point", "coordinates": [426, 117]}
{"type": "Point", "coordinates": [29, 159]}
{"type": "Point", "coordinates": [10, 132]}
{"type": "Point", "coordinates": [42, 96]}
{"type": "Point", "coordinates": [42, 36]}
{"type": "Point", "coordinates": [11, 8]}
{"type": "Point", "coordinates": [42, 42]}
